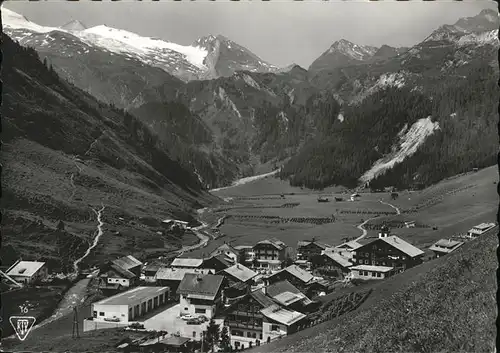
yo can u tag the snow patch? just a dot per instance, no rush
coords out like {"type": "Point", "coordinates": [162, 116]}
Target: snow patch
{"type": "Point", "coordinates": [13, 20]}
{"type": "Point", "coordinates": [226, 100]}
{"type": "Point", "coordinates": [409, 142]}
{"type": "Point", "coordinates": [250, 81]}
{"type": "Point", "coordinates": [340, 117]}
{"type": "Point", "coordinates": [489, 37]}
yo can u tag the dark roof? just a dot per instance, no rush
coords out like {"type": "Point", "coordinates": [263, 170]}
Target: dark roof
{"type": "Point", "coordinates": [122, 272]}
{"type": "Point", "coordinates": [223, 247]}
{"type": "Point", "coordinates": [278, 244]}
{"type": "Point", "coordinates": [223, 259]}
{"type": "Point", "coordinates": [262, 298]}
{"type": "Point", "coordinates": [127, 262]}
{"type": "Point", "coordinates": [281, 287]}
{"type": "Point", "coordinates": [207, 285]}
{"type": "Point", "coordinates": [317, 243]}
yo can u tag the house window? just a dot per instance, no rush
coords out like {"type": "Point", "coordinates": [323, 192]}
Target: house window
{"type": "Point", "coordinates": [254, 335]}
{"type": "Point", "coordinates": [249, 334]}
{"type": "Point", "coordinates": [260, 335]}
{"type": "Point", "coordinates": [186, 309]}
{"type": "Point", "coordinates": [101, 313]}
{"type": "Point", "coordinates": [366, 262]}
{"type": "Point", "coordinates": [379, 274]}
{"type": "Point", "coordinates": [200, 311]}
{"type": "Point", "coordinates": [275, 328]}
{"type": "Point", "coordinates": [194, 334]}
{"type": "Point", "coordinates": [237, 344]}
{"type": "Point", "coordinates": [95, 313]}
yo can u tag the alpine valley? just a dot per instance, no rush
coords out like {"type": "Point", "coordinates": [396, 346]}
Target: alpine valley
{"type": "Point", "coordinates": [224, 113]}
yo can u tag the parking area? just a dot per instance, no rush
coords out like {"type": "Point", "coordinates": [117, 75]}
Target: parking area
{"type": "Point", "coordinates": [169, 320]}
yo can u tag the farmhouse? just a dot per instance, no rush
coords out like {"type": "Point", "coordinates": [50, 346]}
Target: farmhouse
{"type": "Point", "coordinates": [445, 246]}
{"type": "Point", "coordinates": [294, 274]}
{"type": "Point", "coordinates": [239, 273]}
{"type": "Point", "coordinates": [172, 277]}
{"type": "Point", "coordinates": [480, 229]}
{"type": "Point", "coordinates": [26, 272]}
{"type": "Point", "coordinates": [306, 250]}
{"type": "Point", "coordinates": [228, 251]}
{"type": "Point", "coordinates": [200, 294]}
{"type": "Point", "coordinates": [333, 264]}
{"type": "Point", "coordinates": [345, 249]}
{"type": "Point", "coordinates": [180, 262]}
{"type": "Point", "coordinates": [390, 251]}
{"type": "Point", "coordinates": [270, 254]}
{"type": "Point", "coordinates": [120, 273]}
{"type": "Point", "coordinates": [245, 321]}
{"type": "Point", "coordinates": [126, 307]}
{"type": "Point", "coordinates": [371, 272]}
{"type": "Point", "coordinates": [217, 262]}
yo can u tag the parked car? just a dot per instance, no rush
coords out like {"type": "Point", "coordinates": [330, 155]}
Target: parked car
{"type": "Point", "coordinates": [203, 318]}
{"type": "Point", "coordinates": [195, 321]}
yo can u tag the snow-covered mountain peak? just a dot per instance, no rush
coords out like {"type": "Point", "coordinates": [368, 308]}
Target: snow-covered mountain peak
{"type": "Point", "coordinates": [354, 51]}
{"type": "Point", "coordinates": [74, 25]}
{"type": "Point", "coordinates": [11, 19]}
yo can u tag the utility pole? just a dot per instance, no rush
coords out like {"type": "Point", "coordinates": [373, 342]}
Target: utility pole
{"type": "Point", "coordinates": [76, 331]}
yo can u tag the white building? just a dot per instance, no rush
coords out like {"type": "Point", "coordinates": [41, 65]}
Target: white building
{"type": "Point", "coordinates": [27, 271]}
{"type": "Point", "coordinates": [279, 322]}
{"type": "Point", "coordinates": [480, 229]}
{"type": "Point", "coordinates": [200, 294]}
{"type": "Point", "coordinates": [371, 272]}
{"type": "Point", "coordinates": [127, 307]}
{"type": "Point", "coordinates": [180, 262]}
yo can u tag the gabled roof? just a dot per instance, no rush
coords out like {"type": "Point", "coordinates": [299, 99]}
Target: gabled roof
{"type": "Point", "coordinates": [121, 271]}
{"type": "Point", "coordinates": [223, 259]}
{"type": "Point", "coordinates": [127, 262]}
{"type": "Point", "coordinates": [195, 285]}
{"type": "Point", "coordinates": [353, 244]}
{"type": "Point", "coordinates": [262, 298]}
{"type": "Point", "coordinates": [278, 244]}
{"type": "Point", "coordinates": [402, 245]}
{"type": "Point", "coordinates": [341, 260]}
{"type": "Point", "coordinates": [240, 272]}
{"type": "Point", "coordinates": [283, 316]}
{"type": "Point", "coordinates": [299, 273]}
{"type": "Point", "coordinates": [276, 291]}
{"type": "Point", "coordinates": [25, 268]}
{"type": "Point", "coordinates": [225, 247]}
{"type": "Point", "coordinates": [186, 262]}
{"type": "Point", "coordinates": [242, 247]}
{"type": "Point", "coordinates": [302, 243]}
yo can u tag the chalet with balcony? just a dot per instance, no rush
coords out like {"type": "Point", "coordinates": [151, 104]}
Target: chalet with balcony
{"type": "Point", "coordinates": [301, 279]}
{"type": "Point", "coordinates": [388, 251]}
{"type": "Point", "coordinates": [280, 321]}
{"type": "Point", "coordinates": [306, 250]}
{"type": "Point", "coordinates": [200, 294]}
{"type": "Point", "coordinates": [270, 254]}
{"type": "Point", "coordinates": [346, 249]}
{"type": "Point", "coordinates": [445, 246]}
{"type": "Point", "coordinates": [239, 281]}
{"type": "Point", "coordinates": [245, 321]}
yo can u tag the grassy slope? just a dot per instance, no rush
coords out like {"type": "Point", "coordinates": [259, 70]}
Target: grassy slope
{"type": "Point", "coordinates": [445, 305]}
{"type": "Point", "coordinates": [65, 154]}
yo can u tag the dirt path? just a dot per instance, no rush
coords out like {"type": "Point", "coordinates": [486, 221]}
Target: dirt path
{"type": "Point", "coordinates": [363, 230]}
{"type": "Point", "coordinates": [96, 238]}
{"type": "Point", "coordinates": [398, 211]}
{"type": "Point", "coordinates": [203, 239]}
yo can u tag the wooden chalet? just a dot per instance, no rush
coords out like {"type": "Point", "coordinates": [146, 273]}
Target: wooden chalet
{"type": "Point", "coordinates": [306, 250]}
{"type": "Point", "coordinates": [388, 251]}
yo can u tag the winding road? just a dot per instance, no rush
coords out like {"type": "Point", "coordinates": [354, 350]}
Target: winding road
{"type": "Point", "coordinates": [363, 230]}
{"type": "Point", "coordinates": [203, 239]}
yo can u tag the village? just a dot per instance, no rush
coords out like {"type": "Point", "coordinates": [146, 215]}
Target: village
{"type": "Point", "coordinates": [240, 296]}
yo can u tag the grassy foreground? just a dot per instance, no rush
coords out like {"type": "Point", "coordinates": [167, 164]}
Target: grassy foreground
{"type": "Point", "coordinates": [446, 305]}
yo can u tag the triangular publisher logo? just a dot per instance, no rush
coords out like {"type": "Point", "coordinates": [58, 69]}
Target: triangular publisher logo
{"type": "Point", "coordinates": [22, 325]}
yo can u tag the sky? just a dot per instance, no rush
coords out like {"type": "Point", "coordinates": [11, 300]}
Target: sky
{"type": "Point", "coordinates": [279, 32]}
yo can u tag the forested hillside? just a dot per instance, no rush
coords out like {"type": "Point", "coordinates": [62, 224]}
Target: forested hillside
{"type": "Point", "coordinates": [68, 156]}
